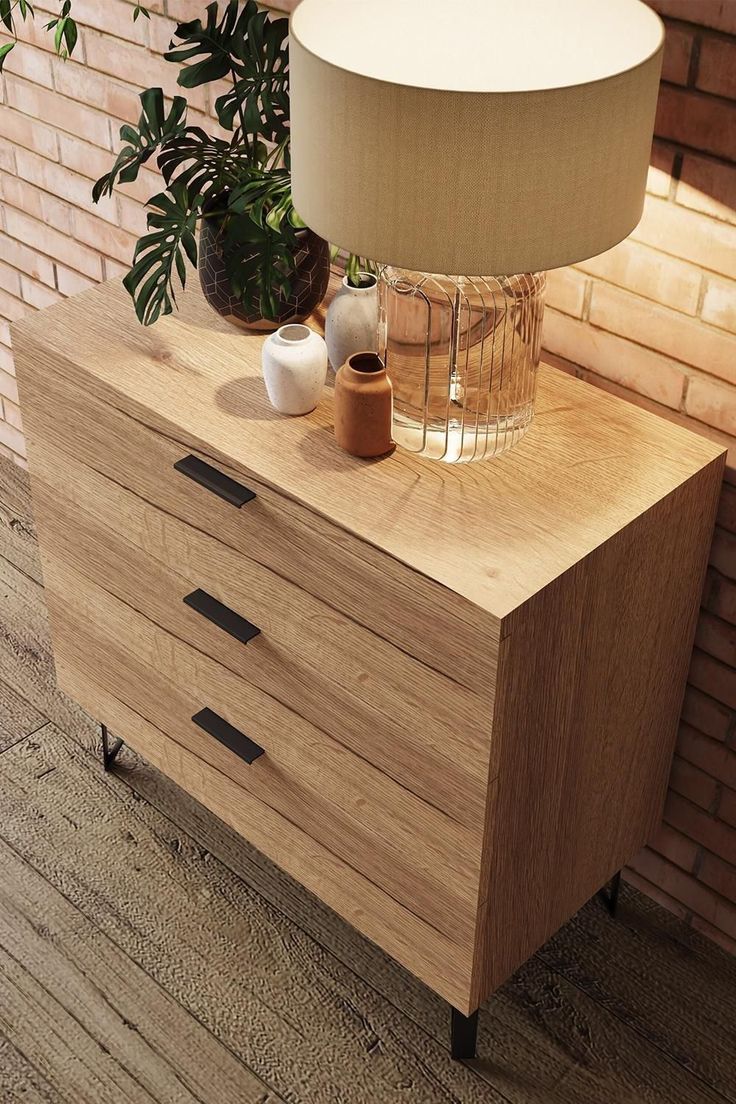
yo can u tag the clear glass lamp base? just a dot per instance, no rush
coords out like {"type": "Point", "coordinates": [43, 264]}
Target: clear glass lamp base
{"type": "Point", "coordinates": [462, 353]}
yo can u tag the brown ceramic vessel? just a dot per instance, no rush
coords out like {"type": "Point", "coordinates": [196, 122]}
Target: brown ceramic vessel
{"type": "Point", "coordinates": [363, 406]}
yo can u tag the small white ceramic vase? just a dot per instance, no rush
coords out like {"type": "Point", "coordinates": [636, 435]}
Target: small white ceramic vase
{"type": "Point", "coordinates": [351, 325]}
{"type": "Point", "coordinates": [294, 361]}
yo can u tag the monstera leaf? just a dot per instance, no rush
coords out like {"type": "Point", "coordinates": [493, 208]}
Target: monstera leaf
{"type": "Point", "coordinates": [249, 47]}
{"type": "Point", "coordinates": [265, 198]}
{"type": "Point", "coordinates": [154, 129]}
{"type": "Point", "coordinates": [259, 263]}
{"type": "Point", "coordinates": [208, 166]}
{"type": "Point", "coordinates": [158, 255]}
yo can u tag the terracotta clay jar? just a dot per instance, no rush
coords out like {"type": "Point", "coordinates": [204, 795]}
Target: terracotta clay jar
{"type": "Point", "coordinates": [363, 406]}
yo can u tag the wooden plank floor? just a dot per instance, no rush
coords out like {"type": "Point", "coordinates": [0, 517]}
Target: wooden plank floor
{"type": "Point", "coordinates": [149, 955]}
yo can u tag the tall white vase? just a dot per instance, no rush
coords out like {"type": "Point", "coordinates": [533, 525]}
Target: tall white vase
{"type": "Point", "coordinates": [294, 362]}
{"type": "Point", "coordinates": [351, 325]}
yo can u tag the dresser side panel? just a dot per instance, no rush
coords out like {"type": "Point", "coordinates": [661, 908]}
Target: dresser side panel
{"type": "Point", "coordinates": [591, 679]}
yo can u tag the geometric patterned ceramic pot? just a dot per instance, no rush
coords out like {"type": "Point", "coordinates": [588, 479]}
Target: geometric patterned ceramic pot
{"type": "Point", "coordinates": [308, 282]}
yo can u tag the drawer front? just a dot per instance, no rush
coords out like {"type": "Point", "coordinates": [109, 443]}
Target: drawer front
{"type": "Point", "coordinates": [409, 849]}
{"type": "Point", "coordinates": [414, 724]}
{"type": "Point", "coordinates": [418, 616]}
{"type": "Point", "coordinates": [443, 963]}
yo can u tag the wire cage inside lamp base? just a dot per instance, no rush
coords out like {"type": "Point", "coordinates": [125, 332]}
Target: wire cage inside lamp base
{"type": "Point", "coordinates": [462, 353]}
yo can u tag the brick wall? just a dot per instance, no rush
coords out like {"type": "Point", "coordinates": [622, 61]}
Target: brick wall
{"type": "Point", "coordinates": [653, 320]}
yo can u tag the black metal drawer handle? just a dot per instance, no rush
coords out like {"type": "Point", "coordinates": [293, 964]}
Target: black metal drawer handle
{"type": "Point", "coordinates": [216, 481]}
{"type": "Point", "coordinates": [221, 615]}
{"type": "Point", "coordinates": [231, 737]}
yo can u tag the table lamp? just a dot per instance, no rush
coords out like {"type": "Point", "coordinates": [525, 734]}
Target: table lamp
{"type": "Point", "coordinates": [467, 146]}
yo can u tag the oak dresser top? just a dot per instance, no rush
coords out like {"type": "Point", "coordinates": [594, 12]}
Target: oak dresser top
{"type": "Point", "coordinates": [495, 532]}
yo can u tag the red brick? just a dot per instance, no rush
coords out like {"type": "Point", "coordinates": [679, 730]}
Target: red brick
{"type": "Point", "coordinates": [727, 508]}
{"type": "Point", "coordinates": [723, 553]}
{"type": "Point", "coordinates": [727, 807]}
{"type": "Point", "coordinates": [706, 714]}
{"type": "Point", "coordinates": [680, 885]}
{"type": "Point", "coordinates": [668, 331]}
{"type": "Point", "coordinates": [710, 756]}
{"type": "Point", "coordinates": [726, 942]}
{"type": "Point", "coordinates": [719, 303]}
{"type": "Point", "coordinates": [672, 845]}
{"type": "Point", "coordinates": [661, 165]}
{"type": "Point", "coordinates": [694, 119]}
{"type": "Point", "coordinates": [651, 890]}
{"type": "Point", "coordinates": [627, 364]}
{"type": "Point", "coordinates": [709, 186]}
{"type": "Point", "coordinates": [722, 600]}
{"type": "Point", "coordinates": [699, 825]}
{"type": "Point", "coordinates": [647, 272]}
{"type": "Point", "coordinates": [712, 402]}
{"type": "Point", "coordinates": [686, 234]}
{"type": "Point", "coordinates": [678, 45]}
{"type": "Point", "coordinates": [694, 784]}
{"type": "Point", "coordinates": [720, 14]}
{"type": "Point", "coordinates": [719, 875]}
{"type": "Point", "coordinates": [717, 66]}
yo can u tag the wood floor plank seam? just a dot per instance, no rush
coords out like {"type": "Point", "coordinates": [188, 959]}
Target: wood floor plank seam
{"type": "Point", "coordinates": [54, 1096]}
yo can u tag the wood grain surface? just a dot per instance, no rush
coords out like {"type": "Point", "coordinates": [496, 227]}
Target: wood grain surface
{"type": "Point", "coordinates": [421, 728]}
{"type": "Point", "coordinates": [182, 950]}
{"type": "Point", "coordinates": [494, 533]}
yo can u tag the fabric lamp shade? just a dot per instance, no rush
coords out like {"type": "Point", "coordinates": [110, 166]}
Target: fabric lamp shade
{"type": "Point", "coordinates": [473, 136]}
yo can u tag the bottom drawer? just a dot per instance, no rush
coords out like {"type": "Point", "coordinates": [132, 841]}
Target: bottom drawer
{"type": "Point", "coordinates": [442, 963]}
{"type": "Point", "coordinates": [410, 850]}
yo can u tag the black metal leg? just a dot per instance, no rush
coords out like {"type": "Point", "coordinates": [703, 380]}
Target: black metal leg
{"type": "Point", "coordinates": [464, 1035]}
{"type": "Point", "coordinates": [109, 750]}
{"type": "Point", "coordinates": [609, 895]}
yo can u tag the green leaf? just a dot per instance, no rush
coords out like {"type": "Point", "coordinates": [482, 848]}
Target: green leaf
{"type": "Point", "coordinates": [155, 128]}
{"type": "Point", "coordinates": [6, 14]}
{"type": "Point", "coordinates": [212, 42]}
{"type": "Point", "coordinates": [4, 51]}
{"type": "Point", "coordinates": [208, 166]}
{"type": "Point", "coordinates": [260, 93]}
{"type": "Point", "coordinates": [160, 254]}
{"type": "Point", "coordinates": [140, 10]}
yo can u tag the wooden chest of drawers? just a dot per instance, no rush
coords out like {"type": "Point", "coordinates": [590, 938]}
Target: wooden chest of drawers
{"type": "Point", "coordinates": [443, 699]}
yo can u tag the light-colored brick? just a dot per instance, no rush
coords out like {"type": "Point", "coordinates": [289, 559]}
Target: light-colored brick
{"type": "Point", "coordinates": [11, 412]}
{"type": "Point", "coordinates": [38, 295]}
{"type": "Point", "coordinates": [15, 127]}
{"type": "Point", "coordinates": [647, 272]}
{"type": "Point", "coordinates": [11, 307]}
{"type": "Point", "coordinates": [712, 402]}
{"type": "Point", "coordinates": [52, 177]}
{"type": "Point", "coordinates": [8, 386]}
{"type": "Point", "coordinates": [141, 68]}
{"type": "Point", "coordinates": [92, 162]}
{"type": "Point", "coordinates": [566, 290]}
{"type": "Point", "coordinates": [686, 234]}
{"type": "Point", "coordinates": [27, 260]}
{"type": "Point", "coordinates": [9, 279]}
{"type": "Point", "coordinates": [53, 243]}
{"type": "Point", "coordinates": [107, 239]}
{"type": "Point", "coordinates": [114, 17]}
{"type": "Point", "coordinates": [32, 64]}
{"type": "Point", "coordinates": [719, 303]}
{"type": "Point", "coordinates": [58, 111]}
{"type": "Point", "coordinates": [70, 282]}
{"type": "Point", "coordinates": [624, 362]}
{"type": "Point", "coordinates": [12, 438]}
{"type": "Point", "coordinates": [34, 201]}
{"type": "Point", "coordinates": [77, 82]}
{"type": "Point", "coordinates": [668, 331]}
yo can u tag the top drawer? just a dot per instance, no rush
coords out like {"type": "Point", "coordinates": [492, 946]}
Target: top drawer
{"type": "Point", "coordinates": [417, 615]}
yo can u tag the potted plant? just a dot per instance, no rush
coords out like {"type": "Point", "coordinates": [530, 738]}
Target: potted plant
{"type": "Point", "coordinates": [259, 265]}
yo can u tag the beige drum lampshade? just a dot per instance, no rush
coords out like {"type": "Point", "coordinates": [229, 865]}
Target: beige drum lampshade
{"type": "Point", "coordinates": [473, 136]}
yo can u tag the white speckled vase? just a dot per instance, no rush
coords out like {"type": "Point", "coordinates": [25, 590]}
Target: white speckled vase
{"type": "Point", "coordinates": [294, 361]}
{"type": "Point", "coordinates": [351, 325]}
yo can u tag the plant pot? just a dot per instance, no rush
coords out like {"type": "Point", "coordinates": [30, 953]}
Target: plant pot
{"type": "Point", "coordinates": [351, 325]}
{"type": "Point", "coordinates": [363, 406]}
{"type": "Point", "coordinates": [294, 361]}
{"type": "Point", "coordinates": [308, 280]}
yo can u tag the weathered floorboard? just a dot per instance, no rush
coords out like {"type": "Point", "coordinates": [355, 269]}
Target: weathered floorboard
{"type": "Point", "coordinates": [263, 979]}
{"type": "Point", "coordinates": [130, 1021]}
{"type": "Point", "coordinates": [21, 1083]}
{"type": "Point", "coordinates": [18, 718]}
